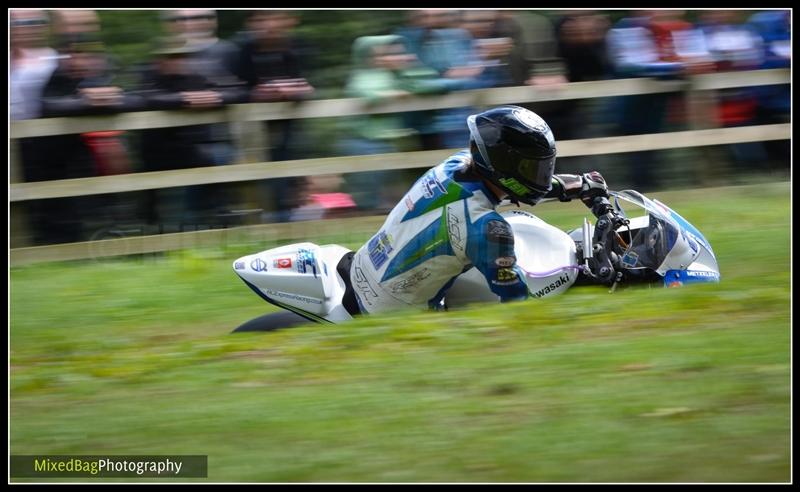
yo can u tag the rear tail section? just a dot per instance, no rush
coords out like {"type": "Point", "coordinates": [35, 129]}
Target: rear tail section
{"type": "Point", "coordinates": [300, 277]}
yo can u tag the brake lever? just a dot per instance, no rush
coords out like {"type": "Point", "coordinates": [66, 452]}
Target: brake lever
{"type": "Point", "coordinates": [617, 280]}
{"type": "Point", "coordinates": [603, 257]}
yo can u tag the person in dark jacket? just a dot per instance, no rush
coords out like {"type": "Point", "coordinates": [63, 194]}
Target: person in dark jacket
{"type": "Point", "coordinates": [170, 83]}
{"type": "Point", "coordinates": [217, 60]}
{"type": "Point", "coordinates": [81, 85]}
{"type": "Point", "coordinates": [271, 64]}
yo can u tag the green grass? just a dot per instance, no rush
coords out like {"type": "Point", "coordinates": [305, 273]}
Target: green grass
{"type": "Point", "coordinates": [134, 356]}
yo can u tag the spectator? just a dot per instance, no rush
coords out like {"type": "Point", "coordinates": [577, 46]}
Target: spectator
{"type": "Point", "coordinates": [581, 44]}
{"type": "Point", "coordinates": [81, 85]}
{"type": "Point", "coordinates": [271, 59]}
{"type": "Point", "coordinates": [84, 84]}
{"type": "Point", "coordinates": [217, 61]}
{"type": "Point", "coordinates": [172, 84]}
{"type": "Point", "coordinates": [73, 22]}
{"type": "Point", "coordinates": [534, 60]}
{"type": "Point", "coordinates": [774, 101]}
{"type": "Point", "coordinates": [432, 38]}
{"type": "Point", "coordinates": [31, 63]}
{"type": "Point", "coordinates": [731, 44]}
{"type": "Point", "coordinates": [213, 58]}
{"type": "Point", "coordinates": [382, 70]}
{"type": "Point", "coordinates": [271, 64]}
{"type": "Point", "coordinates": [493, 49]}
{"type": "Point", "coordinates": [534, 52]}
{"type": "Point", "coordinates": [581, 37]}
{"type": "Point", "coordinates": [734, 46]}
{"type": "Point", "coordinates": [107, 147]}
{"type": "Point", "coordinates": [775, 31]}
{"type": "Point", "coordinates": [322, 200]}
{"type": "Point", "coordinates": [634, 52]}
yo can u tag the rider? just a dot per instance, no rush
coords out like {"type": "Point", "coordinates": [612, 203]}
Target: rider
{"type": "Point", "coordinates": [447, 222]}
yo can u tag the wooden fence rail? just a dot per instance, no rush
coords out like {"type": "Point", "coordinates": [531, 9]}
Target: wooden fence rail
{"type": "Point", "coordinates": [309, 167]}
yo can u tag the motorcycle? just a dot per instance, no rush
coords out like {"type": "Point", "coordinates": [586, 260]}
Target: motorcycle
{"type": "Point", "coordinates": [634, 240]}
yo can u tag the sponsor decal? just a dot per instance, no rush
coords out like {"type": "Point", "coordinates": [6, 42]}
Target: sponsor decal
{"type": "Point", "coordinates": [499, 231]}
{"type": "Point", "coordinates": [689, 238]}
{"type": "Point", "coordinates": [676, 278]}
{"type": "Point", "coordinates": [454, 229]}
{"type": "Point", "coordinates": [409, 283]}
{"type": "Point", "coordinates": [409, 203]}
{"type": "Point", "coordinates": [531, 120]}
{"type": "Point", "coordinates": [258, 265]}
{"type": "Point", "coordinates": [562, 280]}
{"type": "Point", "coordinates": [363, 287]}
{"type": "Point", "coordinates": [515, 186]}
{"type": "Point", "coordinates": [293, 297]}
{"type": "Point", "coordinates": [306, 260]}
{"type": "Point", "coordinates": [239, 265]}
{"type": "Point", "coordinates": [282, 263]}
{"type": "Point", "coordinates": [379, 248]}
{"type": "Point", "coordinates": [505, 261]}
{"type": "Point", "coordinates": [523, 213]}
{"type": "Point", "coordinates": [506, 275]}
{"type": "Point", "coordinates": [630, 259]}
{"type": "Point", "coordinates": [497, 282]}
{"type": "Point", "coordinates": [430, 184]}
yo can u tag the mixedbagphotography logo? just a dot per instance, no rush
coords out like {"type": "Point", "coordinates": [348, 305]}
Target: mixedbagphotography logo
{"type": "Point", "coordinates": [97, 466]}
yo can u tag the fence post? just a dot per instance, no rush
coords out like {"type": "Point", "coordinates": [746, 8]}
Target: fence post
{"type": "Point", "coordinates": [702, 107]}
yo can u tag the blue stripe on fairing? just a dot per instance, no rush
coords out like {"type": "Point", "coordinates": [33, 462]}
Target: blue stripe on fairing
{"type": "Point", "coordinates": [680, 277]}
{"type": "Point", "coordinates": [689, 227]}
{"type": "Point", "coordinates": [296, 310]}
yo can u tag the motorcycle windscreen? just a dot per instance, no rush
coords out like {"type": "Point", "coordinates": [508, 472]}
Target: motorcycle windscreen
{"type": "Point", "coordinates": [690, 251]}
{"type": "Point", "coordinates": [706, 260]}
{"type": "Point", "coordinates": [651, 245]}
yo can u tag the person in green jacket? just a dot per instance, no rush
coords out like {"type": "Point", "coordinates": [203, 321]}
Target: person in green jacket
{"type": "Point", "coordinates": [382, 71]}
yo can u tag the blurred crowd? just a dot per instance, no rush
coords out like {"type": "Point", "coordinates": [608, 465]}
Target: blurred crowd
{"type": "Point", "coordinates": [59, 66]}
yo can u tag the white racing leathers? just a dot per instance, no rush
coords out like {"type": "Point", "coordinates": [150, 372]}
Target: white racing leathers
{"type": "Point", "coordinates": [444, 225]}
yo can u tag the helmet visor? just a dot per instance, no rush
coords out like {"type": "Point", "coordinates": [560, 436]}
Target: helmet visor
{"type": "Point", "coordinates": [537, 173]}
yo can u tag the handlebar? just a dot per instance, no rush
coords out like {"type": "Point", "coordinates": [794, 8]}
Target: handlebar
{"type": "Point", "coordinates": [603, 265]}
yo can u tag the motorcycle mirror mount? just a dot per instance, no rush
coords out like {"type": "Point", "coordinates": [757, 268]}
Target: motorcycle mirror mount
{"type": "Point", "coordinates": [587, 249]}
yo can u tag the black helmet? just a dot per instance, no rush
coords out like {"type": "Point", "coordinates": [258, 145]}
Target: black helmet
{"type": "Point", "coordinates": [514, 149]}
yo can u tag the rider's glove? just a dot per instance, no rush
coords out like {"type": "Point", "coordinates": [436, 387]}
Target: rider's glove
{"type": "Point", "coordinates": [587, 187]}
{"type": "Point", "coordinates": [592, 186]}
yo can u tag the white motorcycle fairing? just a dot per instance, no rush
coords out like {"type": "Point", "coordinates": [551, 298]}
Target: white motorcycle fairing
{"type": "Point", "coordinates": [652, 243]}
{"type": "Point", "coordinates": [300, 277]}
{"type": "Point", "coordinates": [546, 255]}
